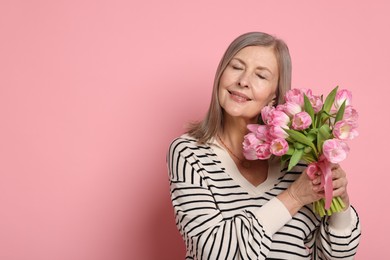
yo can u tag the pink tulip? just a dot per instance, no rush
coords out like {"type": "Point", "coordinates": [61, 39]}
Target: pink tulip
{"type": "Point", "coordinates": [279, 147]}
{"type": "Point", "coordinates": [262, 132]}
{"type": "Point", "coordinates": [291, 108]}
{"type": "Point", "coordinates": [278, 118]}
{"type": "Point", "coordinates": [316, 103]}
{"type": "Point", "coordinates": [263, 151]}
{"type": "Point", "coordinates": [341, 96]}
{"type": "Point", "coordinates": [252, 127]}
{"type": "Point", "coordinates": [344, 130]}
{"type": "Point", "coordinates": [335, 150]}
{"type": "Point", "coordinates": [307, 91]}
{"type": "Point", "coordinates": [295, 96]}
{"type": "Point", "coordinates": [249, 146]}
{"type": "Point", "coordinates": [280, 107]}
{"type": "Point", "coordinates": [351, 115]}
{"type": "Point", "coordinates": [277, 132]}
{"type": "Point", "coordinates": [266, 112]}
{"type": "Point", "coordinates": [301, 121]}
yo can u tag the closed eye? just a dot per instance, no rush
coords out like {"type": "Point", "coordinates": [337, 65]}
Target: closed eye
{"type": "Point", "coordinates": [236, 67]}
{"type": "Point", "coordinates": [236, 64]}
{"type": "Point", "coordinates": [261, 76]}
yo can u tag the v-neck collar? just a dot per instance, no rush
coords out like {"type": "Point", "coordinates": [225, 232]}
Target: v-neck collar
{"type": "Point", "coordinates": [231, 169]}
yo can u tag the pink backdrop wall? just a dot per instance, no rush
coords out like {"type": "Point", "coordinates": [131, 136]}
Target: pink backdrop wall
{"type": "Point", "coordinates": [92, 92]}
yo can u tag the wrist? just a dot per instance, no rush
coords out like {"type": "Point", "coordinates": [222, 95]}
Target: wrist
{"type": "Point", "coordinates": [295, 198]}
{"type": "Point", "coordinates": [290, 201]}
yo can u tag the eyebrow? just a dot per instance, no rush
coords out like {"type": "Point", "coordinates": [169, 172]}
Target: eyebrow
{"type": "Point", "coordinates": [258, 67]}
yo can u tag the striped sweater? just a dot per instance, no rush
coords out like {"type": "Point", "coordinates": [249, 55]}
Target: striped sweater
{"type": "Point", "coordinates": [220, 215]}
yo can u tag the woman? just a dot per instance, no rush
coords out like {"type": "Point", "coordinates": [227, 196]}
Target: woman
{"type": "Point", "coordinates": [229, 208]}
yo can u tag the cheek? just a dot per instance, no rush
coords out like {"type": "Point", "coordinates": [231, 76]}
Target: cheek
{"type": "Point", "coordinates": [222, 87]}
{"type": "Point", "coordinates": [221, 93]}
{"type": "Point", "coordinates": [223, 81]}
{"type": "Point", "coordinates": [220, 96]}
{"type": "Point", "coordinates": [228, 78]}
{"type": "Point", "coordinates": [264, 96]}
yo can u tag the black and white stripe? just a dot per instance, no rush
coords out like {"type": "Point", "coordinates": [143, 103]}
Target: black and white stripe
{"type": "Point", "coordinates": [215, 215]}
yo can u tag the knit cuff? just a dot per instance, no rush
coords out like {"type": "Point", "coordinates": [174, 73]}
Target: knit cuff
{"type": "Point", "coordinates": [343, 221]}
{"type": "Point", "coordinates": [273, 216]}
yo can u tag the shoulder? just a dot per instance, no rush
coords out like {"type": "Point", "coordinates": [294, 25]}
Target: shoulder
{"type": "Point", "coordinates": [187, 159]}
{"type": "Point", "coordinates": [186, 149]}
{"type": "Point", "coordinates": [186, 144]}
{"type": "Point", "coordinates": [183, 140]}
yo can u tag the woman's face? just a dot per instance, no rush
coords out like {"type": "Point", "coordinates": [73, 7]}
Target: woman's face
{"type": "Point", "coordinates": [249, 82]}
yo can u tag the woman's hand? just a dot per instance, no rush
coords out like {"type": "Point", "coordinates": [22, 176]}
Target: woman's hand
{"type": "Point", "coordinates": [304, 191]}
{"type": "Point", "coordinates": [340, 183]}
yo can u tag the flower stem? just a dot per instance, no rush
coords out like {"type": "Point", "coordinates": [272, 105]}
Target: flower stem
{"type": "Point", "coordinates": [337, 205]}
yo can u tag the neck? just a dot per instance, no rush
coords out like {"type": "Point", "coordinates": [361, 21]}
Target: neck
{"type": "Point", "coordinates": [234, 130]}
{"type": "Point", "coordinates": [231, 138]}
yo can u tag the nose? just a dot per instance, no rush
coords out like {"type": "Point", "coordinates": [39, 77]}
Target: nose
{"type": "Point", "coordinates": [244, 81]}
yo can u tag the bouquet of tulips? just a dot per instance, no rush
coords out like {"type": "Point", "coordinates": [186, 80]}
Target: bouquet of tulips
{"type": "Point", "coordinates": [310, 129]}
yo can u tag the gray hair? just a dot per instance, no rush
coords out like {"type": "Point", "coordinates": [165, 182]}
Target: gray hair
{"type": "Point", "coordinates": [206, 129]}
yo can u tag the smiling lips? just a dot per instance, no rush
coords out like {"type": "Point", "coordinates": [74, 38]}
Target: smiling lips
{"type": "Point", "coordinates": [238, 97]}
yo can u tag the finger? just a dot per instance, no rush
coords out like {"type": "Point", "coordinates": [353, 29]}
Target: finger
{"type": "Point", "coordinates": [339, 183]}
{"type": "Point", "coordinates": [341, 191]}
{"type": "Point", "coordinates": [316, 181]}
{"type": "Point", "coordinates": [338, 173]}
{"type": "Point", "coordinates": [318, 187]}
{"type": "Point", "coordinates": [320, 194]}
{"type": "Point", "coordinates": [335, 166]}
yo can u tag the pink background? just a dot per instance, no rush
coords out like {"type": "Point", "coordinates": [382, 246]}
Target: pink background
{"type": "Point", "coordinates": [92, 93]}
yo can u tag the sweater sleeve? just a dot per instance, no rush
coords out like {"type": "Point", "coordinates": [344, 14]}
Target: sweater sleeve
{"type": "Point", "coordinates": [207, 234]}
{"type": "Point", "coordinates": [267, 215]}
{"type": "Point", "coordinates": [339, 235]}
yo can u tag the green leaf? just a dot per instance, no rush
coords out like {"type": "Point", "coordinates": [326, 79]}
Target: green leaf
{"type": "Point", "coordinates": [326, 114]}
{"type": "Point", "coordinates": [312, 136]}
{"type": "Point", "coordinates": [295, 158]}
{"type": "Point", "coordinates": [298, 136]}
{"type": "Point", "coordinates": [340, 113]}
{"type": "Point", "coordinates": [285, 158]}
{"type": "Point", "coordinates": [307, 149]}
{"type": "Point", "coordinates": [324, 117]}
{"type": "Point", "coordinates": [330, 100]}
{"type": "Point", "coordinates": [317, 119]}
{"type": "Point", "coordinates": [313, 131]}
{"type": "Point", "coordinates": [298, 145]}
{"type": "Point", "coordinates": [324, 133]}
{"type": "Point", "coordinates": [308, 157]}
{"type": "Point", "coordinates": [309, 108]}
{"type": "Point", "coordinates": [290, 150]}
